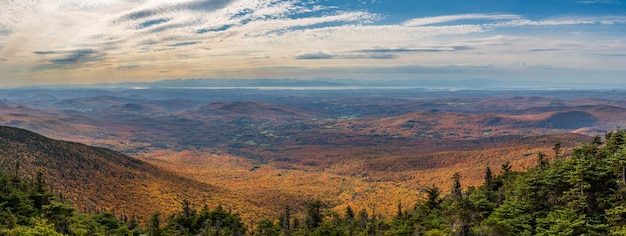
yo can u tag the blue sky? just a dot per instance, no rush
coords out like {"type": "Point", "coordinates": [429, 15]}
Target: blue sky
{"type": "Point", "coordinates": [82, 42]}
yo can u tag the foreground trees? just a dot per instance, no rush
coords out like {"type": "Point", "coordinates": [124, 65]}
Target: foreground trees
{"type": "Point", "coordinates": [27, 207]}
{"type": "Point", "coordinates": [583, 194]}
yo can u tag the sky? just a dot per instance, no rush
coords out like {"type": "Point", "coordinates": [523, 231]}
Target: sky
{"type": "Point", "coordinates": [87, 41]}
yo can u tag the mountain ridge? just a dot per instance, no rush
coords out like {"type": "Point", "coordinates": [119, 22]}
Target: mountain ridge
{"type": "Point", "coordinates": [95, 178]}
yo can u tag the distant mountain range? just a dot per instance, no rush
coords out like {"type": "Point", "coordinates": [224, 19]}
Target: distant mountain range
{"type": "Point", "coordinates": [327, 83]}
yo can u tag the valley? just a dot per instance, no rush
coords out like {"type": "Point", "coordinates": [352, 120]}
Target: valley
{"type": "Point", "coordinates": [258, 150]}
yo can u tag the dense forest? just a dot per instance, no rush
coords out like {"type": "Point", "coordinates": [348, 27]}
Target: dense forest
{"type": "Point", "coordinates": [580, 194]}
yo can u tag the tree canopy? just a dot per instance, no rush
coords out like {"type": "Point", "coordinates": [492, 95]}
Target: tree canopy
{"type": "Point", "coordinates": [580, 194]}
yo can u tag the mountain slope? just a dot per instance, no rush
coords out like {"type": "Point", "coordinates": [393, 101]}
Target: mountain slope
{"type": "Point", "coordinates": [101, 179]}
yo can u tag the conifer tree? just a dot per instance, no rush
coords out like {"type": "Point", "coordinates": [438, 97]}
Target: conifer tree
{"type": "Point", "coordinates": [363, 219]}
{"type": "Point", "coordinates": [314, 214]}
{"type": "Point", "coordinates": [59, 214]}
{"type": "Point", "coordinates": [457, 191]}
{"type": "Point", "coordinates": [285, 220]}
{"type": "Point", "coordinates": [488, 177]}
{"type": "Point", "coordinates": [40, 193]}
{"type": "Point", "coordinates": [154, 226]}
{"type": "Point", "coordinates": [350, 220]}
{"type": "Point", "coordinates": [349, 213]}
{"type": "Point", "coordinates": [557, 149]}
{"type": "Point", "coordinates": [432, 197]}
{"type": "Point", "coordinates": [541, 160]}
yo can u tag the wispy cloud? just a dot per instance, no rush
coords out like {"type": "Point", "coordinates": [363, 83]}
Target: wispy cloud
{"type": "Point", "coordinates": [128, 67]}
{"type": "Point", "coordinates": [544, 50]}
{"type": "Point", "coordinates": [45, 52]}
{"type": "Point", "coordinates": [451, 18]}
{"type": "Point", "coordinates": [149, 23]}
{"type": "Point", "coordinates": [599, 2]}
{"type": "Point", "coordinates": [214, 29]}
{"type": "Point", "coordinates": [401, 50]}
{"type": "Point", "coordinates": [526, 22]}
{"type": "Point", "coordinates": [258, 28]}
{"type": "Point", "coordinates": [149, 36]}
{"type": "Point", "coordinates": [315, 56]}
{"type": "Point", "coordinates": [77, 57]}
{"type": "Point", "coordinates": [610, 54]}
{"type": "Point", "coordinates": [181, 44]}
{"type": "Point", "coordinates": [319, 56]}
{"type": "Point", "coordinates": [71, 58]}
{"type": "Point", "coordinates": [159, 9]}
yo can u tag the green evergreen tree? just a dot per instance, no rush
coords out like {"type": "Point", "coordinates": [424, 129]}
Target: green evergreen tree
{"type": "Point", "coordinates": [457, 190]}
{"type": "Point", "coordinates": [541, 160]}
{"type": "Point", "coordinates": [432, 197]}
{"type": "Point", "coordinates": [285, 221]}
{"type": "Point", "coordinates": [59, 214]}
{"type": "Point", "coordinates": [108, 220]}
{"type": "Point", "coordinates": [363, 218]}
{"type": "Point", "coordinates": [154, 225]}
{"type": "Point", "coordinates": [350, 221]}
{"type": "Point", "coordinates": [266, 227]}
{"type": "Point", "coordinates": [488, 183]}
{"type": "Point", "coordinates": [40, 193]}
{"type": "Point", "coordinates": [314, 214]}
{"type": "Point", "coordinates": [557, 150]}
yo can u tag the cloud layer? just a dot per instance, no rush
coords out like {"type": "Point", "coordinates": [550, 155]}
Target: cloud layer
{"type": "Point", "coordinates": [67, 41]}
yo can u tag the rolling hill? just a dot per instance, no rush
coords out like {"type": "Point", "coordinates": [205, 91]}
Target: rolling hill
{"type": "Point", "coordinates": [252, 110]}
{"type": "Point", "coordinates": [97, 179]}
{"type": "Point", "coordinates": [258, 151]}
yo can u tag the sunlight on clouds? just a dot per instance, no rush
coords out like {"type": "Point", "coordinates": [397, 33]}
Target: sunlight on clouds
{"type": "Point", "coordinates": [136, 40]}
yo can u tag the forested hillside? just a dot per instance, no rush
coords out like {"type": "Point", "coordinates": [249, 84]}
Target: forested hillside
{"type": "Point", "coordinates": [581, 194]}
{"type": "Point", "coordinates": [97, 179]}
{"type": "Point", "coordinates": [257, 150]}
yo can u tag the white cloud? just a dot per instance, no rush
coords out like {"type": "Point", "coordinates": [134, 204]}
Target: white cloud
{"type": "Point", "coordinates": [259, 28]}
{"type": "Point", "coordinates": [525, 22]}
{"type": "Point", "coordinates": [451, 18]}
{"type": "Point", "coordinates": [605, 20]}
{"type": "Point", "coordinates": [241, 35]}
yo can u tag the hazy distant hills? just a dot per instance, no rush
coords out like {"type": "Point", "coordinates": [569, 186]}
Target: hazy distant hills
{"type": "Point", "coordinates": [323, 83]}
{"type": "Point", "coordinates": [248, 147]}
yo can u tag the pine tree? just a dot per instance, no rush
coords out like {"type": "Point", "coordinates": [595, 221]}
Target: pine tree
{"type": "Point", "coordinates": [457, 191]}
{"type": "Point", "coordinates": [399, 213]}
{"type": "Point", "coordinates": [541, 160]}
{"type": "Point", "coordinates": [266, 227]}
{"type": "Point", "coordinates": [432, 197]}
{"type": "Point", "coordinates": [314, 214]}
{"type": "Point", "coordinates": [363, 219]}
{"type": "Point", "coordinates": [349, 213]}
{"type": "Point", "coordinates": [59, 214]}
{"type": "Point", "coordinates": [488, 183]}
{"type": "Point", "coordinates": [285, 221]}
{"type": "Point", "coordinates": [40, 193]}
{"type": "Point", "coordinates": [154, 226]}
{"type": "Point", "coordinates": [614, 140]}
{"type": "Point", "coordinates": [350, 220]}
{"type": "Point", "coordinates": [557, 149]}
